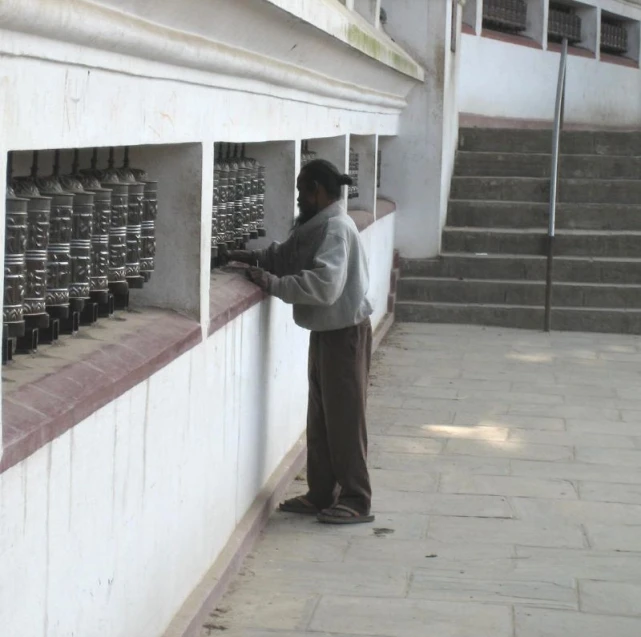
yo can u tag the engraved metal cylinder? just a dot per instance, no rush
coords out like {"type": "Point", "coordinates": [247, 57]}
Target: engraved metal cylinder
{"type": "Point", "coordinates": [134, 228]}
{"type": "Point", "coordinates": [80, 252]}
{"type": "Point", "coordinates": [58, 252]}
{"type": "Point", "coordinates": [38, 225]}
{"type": "Point", "coordinates": [118, 231]}
{"type": "Point", "coordinates": [100, 240]}
{"type": "Point", "coordinates": [15, 246]}
{"type": "Point", "coordinates": [148, 228]}
{"type": "Point", "coordinates": [261, 201]}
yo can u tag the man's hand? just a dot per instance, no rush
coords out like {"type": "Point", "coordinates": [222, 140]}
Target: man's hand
{"type": "Point", "coordinates": [259, 277]}
{"type": "Point", "coordinates": [242, 256]}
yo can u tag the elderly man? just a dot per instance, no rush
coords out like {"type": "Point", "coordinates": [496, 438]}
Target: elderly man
{"type": "Point", "coordinates": [321, 269]}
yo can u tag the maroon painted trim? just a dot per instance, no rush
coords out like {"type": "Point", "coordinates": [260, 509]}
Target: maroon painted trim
{"type": "Point", "coordinates": [555, 47]}
{"type": "Point", "coordinates": [520, 40]}
{"type": "Point", "coordinates": [619, 61]}
{"type": "Point", "coordinates": [468, 28]}
{"type": "Point", "coordinates": [38, 412]}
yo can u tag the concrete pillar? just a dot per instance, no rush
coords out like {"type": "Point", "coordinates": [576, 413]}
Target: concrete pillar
{"type": "Point", "coordinates": [183, 229]}
{"type": "Point", "coordinates": [417, 165]}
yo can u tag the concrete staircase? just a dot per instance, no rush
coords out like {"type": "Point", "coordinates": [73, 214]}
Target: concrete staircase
{"type": "Point", "coordinates": [492, 267]}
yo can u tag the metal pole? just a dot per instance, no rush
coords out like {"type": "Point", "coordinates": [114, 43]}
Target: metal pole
{"type": "Point", "coordinates": [554, 180]}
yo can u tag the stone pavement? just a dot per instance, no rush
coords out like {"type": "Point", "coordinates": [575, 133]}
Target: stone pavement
{"type": "Point", "coordinates": [507, 475]}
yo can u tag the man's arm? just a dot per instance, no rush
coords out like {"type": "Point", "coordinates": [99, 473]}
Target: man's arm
{"type": "Point", "coordinates": [323, 284]}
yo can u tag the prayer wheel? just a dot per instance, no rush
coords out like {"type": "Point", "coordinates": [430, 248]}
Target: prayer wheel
{"type": "Point", "coordinates": [99, 282]}
{"type": "Point", "coordinates": [15, 247]}
{"type": "Point", "coordinates": [148, 216]}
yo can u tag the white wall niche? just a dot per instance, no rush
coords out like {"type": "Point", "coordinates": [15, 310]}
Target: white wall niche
{"type": "Point", "coordinates": [367, 148]}
{"type": "Point", "coordinates": [335, 150]}
{"type": "Point", "coordinates": [281, 170]}
{"type": "Point", "coordinates": [632, 28]}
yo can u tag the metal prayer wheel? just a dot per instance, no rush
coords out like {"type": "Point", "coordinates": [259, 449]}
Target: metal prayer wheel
{"type": "Point", "coordinates": [99, 237]}
{"type": "Point", "coordinates": [227, 191]}
{"type": "Point", "coordinates": [261, 201]}
{"type": "Point", "coordinates": [148, 216]}
{"type": "Point", "coordinates": [59, 254]}
{"type": "Point", "coordinates": [84, 183]}
{"type": "Point", "coordinates": [38, 223]}
{"type": "Point", "coordinates": [118, 236]}
{"type": "Point", "coordinates": [37, 242]}
{"type": "Point", "coordinates": [96, 180]}
{"type": "Point", "coordinates": [354, 166]}
{"type": "Point", "coordinates": [118, 248]}
{"type": "Point", "coordinates": [135, 204]}
{"type": "Point", "coordinates": [82, 205]}
{"type": "Point", "coordinates": [15, 247]}
{"type": "Point", "coordinates": [236, 188]}
{"type": "Point", "coordinates": [148, 229]}
{"type": "Point", "coordinates": [134, 232]}
{"type": "Point", "coordinates": [58, 270]}
{"type": "Point", "coordinates": [81, 234]}
{"type": "Point", "coordinates": [215, 211]}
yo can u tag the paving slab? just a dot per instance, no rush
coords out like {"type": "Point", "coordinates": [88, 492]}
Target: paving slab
{"type": "Point", "coordinates": [508, 486]}
{"type": "Point", "coordinates": [531, 622]}
{"type": "Point", "coordinates": [603, 492]}
{"type": "Point", "coordinates": [506, 472]}
{"type": "Point", "coordinates": [539, 563]}
{"type": "Point", "coordinates": [611, 598]}
{"type": "Point", "coordinates": [560, 593]}
{"type": "Point", "coordinates": [410, 618]}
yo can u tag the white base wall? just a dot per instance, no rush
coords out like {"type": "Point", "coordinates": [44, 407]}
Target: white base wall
{"type": "Point", "coordinates": [105, 531]}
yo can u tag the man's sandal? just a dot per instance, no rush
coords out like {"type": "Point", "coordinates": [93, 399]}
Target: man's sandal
{"type": "Point", "coordinates": [299, 505]}
{"type": "Point", "coordinates": [342, 514]}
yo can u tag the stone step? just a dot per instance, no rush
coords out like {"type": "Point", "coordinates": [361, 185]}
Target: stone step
{"type": "Point", "coordinates": [524, 267]}
{"type": "Point", "coordinates": [509, 214]}
{"type": "Point", "coordinates": [538, 190]}
{"type": "Point", "coordinates": [568, 242]}
{"type": "Point", "coordinates": [524, 317]}
{"type": "Point", "coordinates": [625, 143]}
{"type": "Point", "coordinates": [506, 292]}
{"type": "Point", "coordinates": [491, 164]}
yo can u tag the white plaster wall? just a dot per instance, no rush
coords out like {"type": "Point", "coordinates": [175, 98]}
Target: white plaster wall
{"type": "Point", "coordinates": [105, 531]}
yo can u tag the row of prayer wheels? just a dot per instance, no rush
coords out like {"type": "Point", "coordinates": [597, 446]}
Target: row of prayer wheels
{"type": "Point", "coordinates": [75, 244]}
{"type": "Point", "coordinates": [238, 212]}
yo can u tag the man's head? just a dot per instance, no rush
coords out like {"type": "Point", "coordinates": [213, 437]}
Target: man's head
{"type": "Point", "coordinates": [319, 185]}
